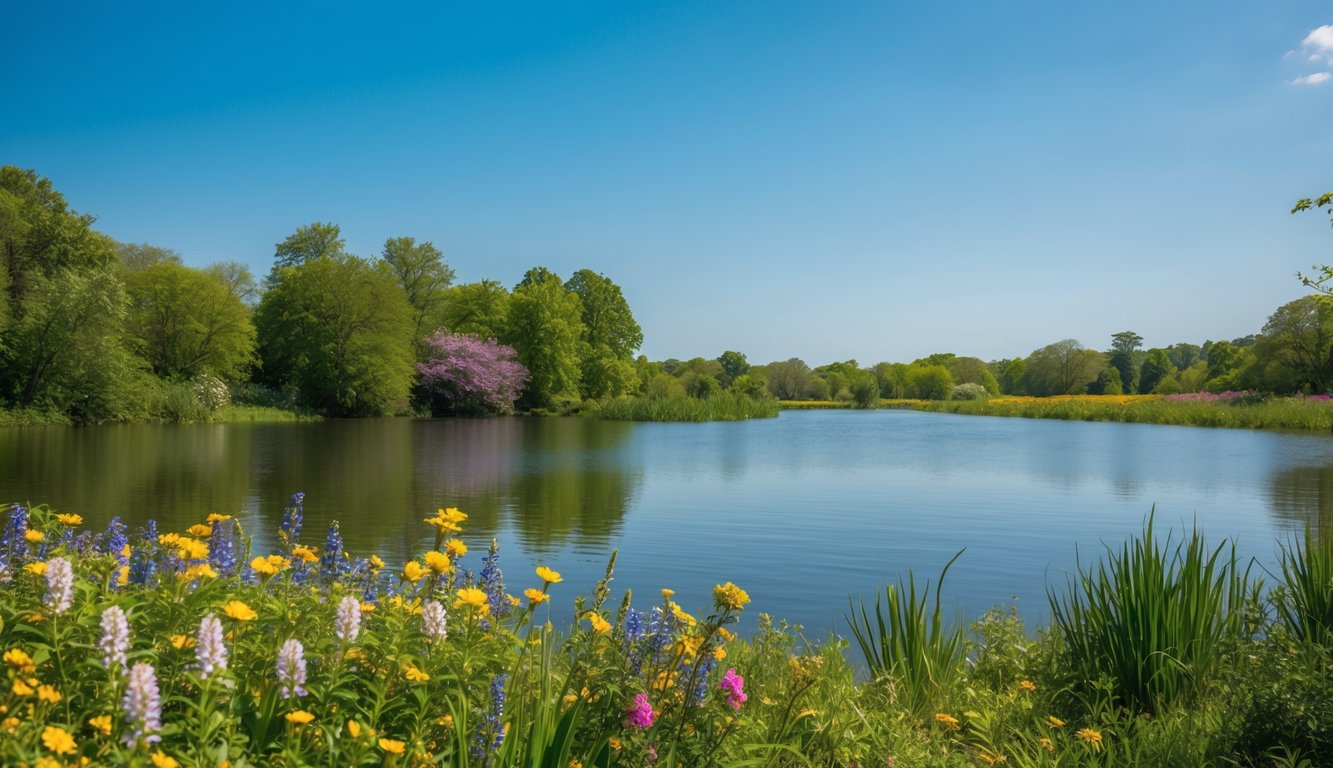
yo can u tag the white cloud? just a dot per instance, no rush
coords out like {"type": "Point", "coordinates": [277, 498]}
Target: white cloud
{"type": "Point", "coordinates": [1315, 79]}
{"type": "Point", "coordinates": [1320, 42]}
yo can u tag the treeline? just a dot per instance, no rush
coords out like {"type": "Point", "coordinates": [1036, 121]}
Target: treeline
{"type": "Point", "coordinates": [95, 330]}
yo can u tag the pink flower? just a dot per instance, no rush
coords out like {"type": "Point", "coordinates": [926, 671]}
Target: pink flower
{"type": "Point", "coordinates": [640, 713]}
{"type": "Point", "coordinates": [734, 685]}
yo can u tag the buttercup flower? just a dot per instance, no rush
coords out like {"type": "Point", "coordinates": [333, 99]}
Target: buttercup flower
{"type": "Point", "coordinates": [438, 562]}
{"type": "Point", "coordinates": [101, 724]}
{"type": "Point", "coordinates": [70, 519]}
{"type": "Point", "coordinates": [392, 746]}
{"type": "Point", "coordinates": [239, 611]}
{"type": "Point", "coordinates": [299, 717]}
{"type": "Point", "coordinates": [535, 596]}
{"type": "Point", "coordinates": [1092, 737]}
{"type": "Point", "coordinates": [547, 575]}
{"type": "Point", "coordinates": [58, 740]}
{"type": "Point", "coordinates": [730, 597]}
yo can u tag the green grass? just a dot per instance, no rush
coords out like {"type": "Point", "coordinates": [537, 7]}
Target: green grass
{"type": "Point", "coordinates": [723, 406]}
{"type": "Point", "coordinates": [1305, 606]}
{"type": "Point", "coordinates": [258, 413]}
{"type": "Point", "coordinates": [1276, 413]}
{"type": "Point", "coordinates": [31, 417]}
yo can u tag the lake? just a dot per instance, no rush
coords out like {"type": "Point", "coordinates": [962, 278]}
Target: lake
{"type": "Point", "coordinates": [802, 511]}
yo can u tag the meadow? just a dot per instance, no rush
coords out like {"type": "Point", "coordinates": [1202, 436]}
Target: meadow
{"type": "Point", "coordinates": [1228, 409]}
{"type": "Point", "coordinates": [193, 647]}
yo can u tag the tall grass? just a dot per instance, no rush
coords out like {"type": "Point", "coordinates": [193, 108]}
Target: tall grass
{"type": "Point", "coordinates": [1276, 413]}
{"type": "Point", "coordinates": [723, 406]}
{"type": "Point", "coordinates": [1154, 619]}
{"type": "Point", "coordinates": [909, 644]}
{"type": "Point", "coordinates": [1305, 606]}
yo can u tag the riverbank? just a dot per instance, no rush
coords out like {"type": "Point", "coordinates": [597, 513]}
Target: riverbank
{"type": "Point", "coordinates": [1197, 411]}
{"type": "Point", "coordinates": [228, 414]}
{"type": "Point", "coordinates": [192, 647]}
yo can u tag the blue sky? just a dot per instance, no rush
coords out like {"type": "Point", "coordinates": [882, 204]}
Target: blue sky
{"type": "Point", "coordinates": [877, 181]}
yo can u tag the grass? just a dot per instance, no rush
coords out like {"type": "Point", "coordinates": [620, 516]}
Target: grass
{"type": "Point", "coordinates": [1274, 413]}
{"type": "Point", "coordinates": [231, 414]}
{"type": "Point", "coordinates": [723, 406]}
{"type": "Point", "coordinates": [32, 417]}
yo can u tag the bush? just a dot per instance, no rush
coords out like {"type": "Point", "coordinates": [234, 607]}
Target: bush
{"type": "Point", "coordinates": [969, 392]}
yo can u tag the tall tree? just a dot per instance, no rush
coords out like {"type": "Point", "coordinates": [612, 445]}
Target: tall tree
{"type": "Point", "coordinates": [136, 256]}
{"type": "Point", "coordinates": [546, 329]}
{"type": "Point", "coordinates": [480, 309]}
{"type": "Point", "coordinates": [1062, 368]}
{"type": "Point", "coordinates": [1299, 337]}
{"type": "Point", "coordinates": [185, 322]}
{"type": "Point", "coordinates": [1124, 357]}
{"type": "Point", "coordinates": [313, 241]}
{"type": "Point", "coordinates": [424, 277]}
{"type": "Point", "coordinates": [1157, 367]}
{"type": "Point", "coordinates": [338, 329]}
{"type": "Point", "coordinates": [734, 365]}
{"type": "Point", "coordinates": [612, 336]}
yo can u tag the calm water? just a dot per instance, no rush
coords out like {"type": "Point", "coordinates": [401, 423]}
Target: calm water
{"type": "Point", "coordinates": [802, 511]}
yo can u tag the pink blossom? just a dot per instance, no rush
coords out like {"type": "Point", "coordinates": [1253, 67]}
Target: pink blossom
{"type": "Point", "coordinates": [468, 374]}
{"type": "Point", "coordinates": [641, 713]}
{"type": "Point", "coordinates": [734, 685]}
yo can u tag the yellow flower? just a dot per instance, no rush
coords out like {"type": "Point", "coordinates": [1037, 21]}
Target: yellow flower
{"type": "Point", "coordinates": [415, 675]}
{"type": "Point", "coordinates": [200, 530]}
{"type": "Point", "coordinates": [168, 539]}
{"type": "Point", "coordinates": [264, 566]}
{"type": "Point", "coordinates": [413, 571]}
{"type": "Point", "coordinates": [299, 717]}
{"type": "Point", "coordinates": [726, 634]}
{"type": "Point", "coordinates": [392, 746]}
{"type": "Point", "coordinates": [163, 760]}
{"type": "Point", "coordinates": [34, 536]}
{"type": "Point", "coordinates": [455, 548]}
{"type": "Point", "coordinates": [667, 594]}
{"type": "Point", "coordinates": [547, 575]}
{"type": "Point", "coordinates": [217, 518]}
{"type": "Point", "coordinates": [46, 761]}
{"type": "Point", "coordinates": [1027, 685]}
{"type": "Point", "coordinates": [101, 723]}
{"type": "Point", "coordinates": [20, 660]}
{"type": "Point", "coordinates": [376, 562]}
{"type": "Point", "coordinates": [948, 721]}
{"type": "Point", "coordinates": [535, 596]}
{"type": "Point", "coordinates": [730, 597]}
{"type": "Point", "coordinates": [201, 571]}
{"type": "Point", "coordinates": [1055, 721]}
{"type": "Point", "coordinates": [514, 601]}
{"type": "Point", "coordinates": [70, 519]}
{"type": "Point", "coordinates": [1046, 744]}
{"type": "Point", "coordinates": [719, 653]}
{"type": "Point", "coordinates": [470, 596]}
{"type": "Point", "coordinates": [354, 729]}
{"type": "Point", "coordinates": [599, 624]}
{"type": "Point", "coordinates": [307, 554]}
{"type": "Point", "coordinates": [682, 615]}
{"type": "Point", "coordinates": [123, 575]}
{"type": "Point", "coordinates": [11, 723]}
{"type": "Point", "coordinates": [439, 563]}
{"type": "Point", "coordinates": [1092, 737]}
{"type": "Point", "coordinates": [48, 693]}
{"type": "Point", "coordinates": [447, 721]}
{"type": "Point", "coordinates": [239, 611]}
{"type": "Point", "coordinates": [58, 740]}
{"type": "Point", "coordinates": [181, 642]}
{"type": "Point", "coordinates": [192, 549]}
{"type": "Point", "coordinates": [447, 520]}
{"type": "Point", "coordinates": [36, 569]}
{"type": "Point", "coordinates": [21, 688]}
{"type": "Point", "coordinates": [614, 743]}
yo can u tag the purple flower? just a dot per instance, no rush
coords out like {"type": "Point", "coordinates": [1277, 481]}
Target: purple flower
{"type": "Point", "coordinates": [291, 668]}
{"type": "Point", "coordinates": [209, 649]}
{"type": "Point", "coordinates": [434, 621]}
{"type": "Point", "coordinates": [115, 640]}
{"type": "Point", "coordinates": [13, 544]}
{"type": "Point", "coordinates": [640, 713]}
{"type": "Point", "coordinates": [142, 705]}
{"type": "Point", "coordinates": [59, 584]}
{"type": "Point", "coordinates": [290, 530]}
{"type": "Point", "coordinates": [222, 547]}
{"type": "Point", "coordinates": [470, 375]}
{"type": "Point", "coordinates": [333, 564]}
{"type": "Point", "coordinates": [348, 623]}
{"type": "Point", "coordinates": [734, 685]}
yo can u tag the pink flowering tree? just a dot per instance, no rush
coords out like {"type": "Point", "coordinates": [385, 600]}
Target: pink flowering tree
{"type": "Point", "coordinates": [467, 374]}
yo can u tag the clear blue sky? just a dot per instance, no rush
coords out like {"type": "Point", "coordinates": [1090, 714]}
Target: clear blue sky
{"type": "Point", "coordinates": [876, 181]}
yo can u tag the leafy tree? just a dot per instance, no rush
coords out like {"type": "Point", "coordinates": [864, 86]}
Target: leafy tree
{"type": "Point", "coordinates": [1124, 357]}
{"type": "Point", "coordinates": [1107, 383]}
{"type": "Point", "coordinates": [929, 382]}
{"type": "Point", "coordinates": [424, 278]}
{"type": "Point", "coordinates": [865, 390]}
{"type": "Point", "coordinates": [1062, 368]}
{"type": "Point", "coordinates": [466, 374]}
{"type": "Point", "coordinates": [1013, 380]}
{"type": "Point", "coordinates": [1156, 367]}
{"type": "Point", "coordinates": [546, 328]}
{"type": "Point", "coordinates": [1184, 355]}
{"type": "Point", "coordinates": [734, 365]}
{"type": "Point", "coordinates": [136, 256]}
{"type": "Point", "coordinates": [971, 370]}
{"type": "Point", "coordinates": [338, 330]}
{"type": "Point", "coordinates": [185, 322]}
{"type": "Point", "coordinates": [308, 243]}
{"type": "Point", "coordinates": [1299, 337]}
{"type": "Point", "coordinates": [480, 309]}
{"type": "Point", "coordinates": [793, 380]}
{"type": "Point", "coordinates": [612, 336]}
{"type": "Point", "coordinates": [237, 278]}
{"type": "Point", "coordinates": [1223, 358]}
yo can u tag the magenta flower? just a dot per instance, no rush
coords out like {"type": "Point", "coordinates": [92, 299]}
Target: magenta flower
{"type": "Point", "coordinates": [641, 713]}
{"type": "Point", "coordinates": [734, 685]}
{"type": "Point", "coordinates": [467, 374]}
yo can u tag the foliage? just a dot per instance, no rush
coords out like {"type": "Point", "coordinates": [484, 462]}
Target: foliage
{"type": "Point", "coordinates": [424, 278]}
{"type": "Point", "coordinates": [1156, 368]}
{"type": "Point", "coordinates": [1125, 358]}
{"type": "Point", "coordinates": [1062, 368]}
{"type": "Point", "coordinates": [1197, 410]}
{"type": "Point", "coordinates": [719, 406]}
{"type": "Point", "coordinates": [480, 309]}
{"type": "Point", "coordinates": [339, 331]}
{"type": "Point", "coordinates": [1298, 339]}
{"type": "Point", "coordinates": [1306, 606]}
{"type": "Point", "coordinates": [313, 241]}
{"type": "Point", "coordinates": [793, 380]}
{"type": "Point", "coordinates": [611, 333]}
{"type": "Point", "coordinates": [469, 375]}
{"type": "Point", "coordinates": [546, 328]}
{"type": "Point", "coordinates": [928, 382]}
{"type": "Point", "coordinates": [185, 322]}
{"type": "Point", "coordinates": [969, 391]}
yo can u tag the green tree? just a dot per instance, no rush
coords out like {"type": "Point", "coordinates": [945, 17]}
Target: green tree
{"type": "Point", "coordinates": [734, 365]}
{"type": "Point", "coordinates": [1156, 368]}
{"type": "Point", "coordinates": [1062, 368]}
{"type": "Point", "coordinates": [312, 241]}
{"type": "Point", "coordinates": [1184, 355]}
{"type": "Point", "coordinates": [136, 256]}
{"type": "Point", "coordinates": [971, 370]}
{"type": "Point", "coordinates": [1013, 380]}
{"type": "Point", "coordinates": [238, 279]}
{"type": "Point", "coordinates": [546, 329]}
{"type": "Point", "coordinates": [1124, 357]}
{"type": "Point", "coordinates": [480, 309]}
{"type": "Point", "coordinates": [793, 380]}
{"type": "Point", "coordinates": [611, 333]}
{"type": "Point", "coordinates": [185, 322]}
{"type": "Point", "coordinates": [929, 382]}
{"type": "Point", "coordinates": [425, 278]}
{"type": "Point", "coordinates": [338, 330]}
{"type": "Point", "coordinates": [1107, 383]}
{"type": "Point", "coordinates": [1298, 337]}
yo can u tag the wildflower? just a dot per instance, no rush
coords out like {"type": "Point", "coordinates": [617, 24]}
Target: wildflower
{"type": "Point", "coordinates": [70, 519]}
{"type": "Point", "coordinates": [640, 713]}
{"type": "Point", "coordinates": [291, 668]}
{"type": "Point", "coordinates": [48, 693]}
{"type": "Point", "coordinates": [1091, 737]}
{"type": "Point", "coordinates": [682, 615]}
{"type": "Point", "coordinates": [413, 571]}
{"type": "Point", "coordinates": [101, 723]}
{"type": "Point", "coordinates": [264, 566]}
{"type": "Point", "coordinates": [470, 596]}
{"type": "Point", "coordinates": [34, 536]}
{"type": "Point", "coordinates": [948, 721]}
{"type": "Point", "coordinates": [438, 562]}
{"type": "Point", "coordinates": [455, 548]}
{"type": "Point", "coordinates": [1027, 685]}
{"type": "Point", "coordinates": [392, 746]}
{"type": "Point", "coordinates": [200, 531]}
{"type": "Point", "coordinates": [163, 760]}
{"type": "Point", "coordinates": [333, 564]}
{"type": "Point", "coordinates": [181, 642]}
{"type": "Point", "coordinates": [290, 530]}
{"type": "Point", "coordinates": [222, 547]}
{"type": "Point", "coordinates": [58, 740]}
{"type": "Point", "coordinates": [142, 705]}
{"type": "Point", "coordinates": [20, 660]}
{"type": "Point", "coordinates": [348, 623]}
{"type": "Point", "coordinates": [599, 625]}
{"type": "Point", "coordinates": [36, 569]}
{"type": "Point", "coordinates": [299, 717]}
{"type": "Point", "coordinates": [493, 726]}
{"type": "Point", "coordinates": [239, 611]}
{"type": "Point", "coordinates": [667, 594]}
{"type": "Point", "coordinates": [354, 729]}
{"type": "Point", "coordinates": [59, 584]}
{"type": "Point", "coordinates": [193, 549]}
{"type": "Point", "coordinates": [1046, 744]}
{"type": "Point", "coordinates": [376, 563]}
{"type": "Point", "coordinates": [535, 596]}
{"type": "Point", "coordinates": [11, 724]}
{"type": "Point", "coordinates": [433, 620]}
{"type": "Point", "coordinates": [491, 580]}
{"type": "Point", "coordinates": [215, 517]}
{"type": "Point", "coordinates": [367, 607]}
{"type": "Point", "coordinates": [21, 688]}
{"type": "Point", "coordinates": [730, 597]}
{"type": "Point", "coordinates": [210, 652]}
{"type": "Point", "coordinates": [734, 685]}
{"type": "Point", "coordinates": [1055, 721]}
{"type": "Point", "coordinates": [307, 554]}
{"type": "Point", "coordinates": [415, 675]}
{"type": "Point", "coordinates": [199, 571]}
{"type": "Point", "coordinates": [547, 575]}
{"type": "Point", "coordinates": [719, 653]}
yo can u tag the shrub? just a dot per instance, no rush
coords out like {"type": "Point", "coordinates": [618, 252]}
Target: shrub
{"type": "Point", "coordinates": [969, 392]}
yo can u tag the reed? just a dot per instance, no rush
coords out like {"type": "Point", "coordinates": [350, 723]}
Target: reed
{"type": "Point", "coordinates": [1305, 606]}
{"type": "Point", "coordinates": [723, 406]}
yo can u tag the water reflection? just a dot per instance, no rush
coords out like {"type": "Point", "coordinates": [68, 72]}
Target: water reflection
{"type": "Point", "coordinates": [1301, 496]}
